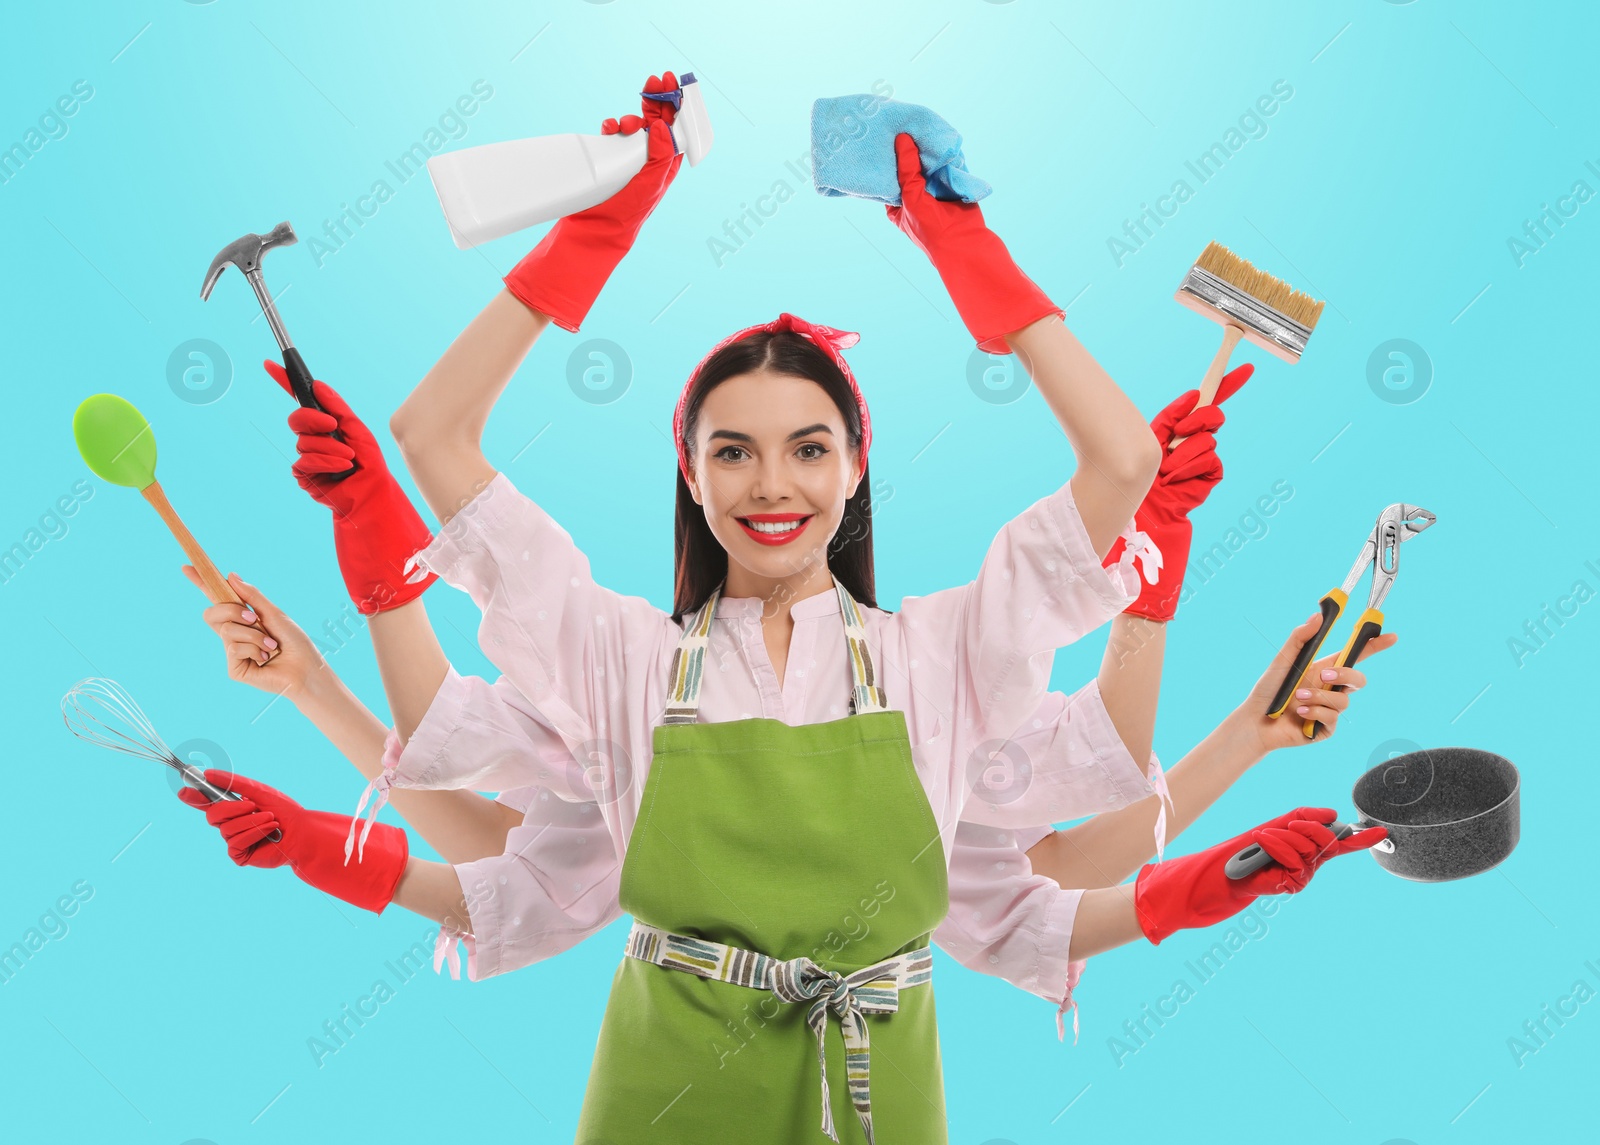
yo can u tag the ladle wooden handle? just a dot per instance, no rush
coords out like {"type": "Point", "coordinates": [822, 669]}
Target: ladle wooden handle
{"type": "Point", "coordinates": [1213, 379]}
{"type": "Point", "coordinates": [216, 585]}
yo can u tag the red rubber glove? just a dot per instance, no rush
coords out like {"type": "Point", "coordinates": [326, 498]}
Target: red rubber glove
{"type": "Point", "coordinates": [376, 529]}
{"type": "Point", "coordinates": [1194, 891]}
{"type": "Point", "coordinates": [990, 292]}
{"type": "Point", "coordinates": [1186, 477]}
{"type": "Point", "coordinates": [313, 841]}
{"type": "Point", "coordinates": [564, 274]}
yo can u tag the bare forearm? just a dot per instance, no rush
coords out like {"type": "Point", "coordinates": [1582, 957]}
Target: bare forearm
{"type": "Point", "coordinates": [1117, 454]}
{"type": "Point", "coordinates": [340, 716]}
{"type": "Point", "coordinates": [1130, 680]}
{"type": "Point", "coordinates": [1107, 849]}
{"type": "Point", "coordinates": [1105, 920]}
{"type": "Point", "coordinates": [459, 825]}
{"type": "Point", "coordinates": [454, 399]}
{"type": "Point", "coordinates": [434, 891]}
{"type": "Point", "coordinates": [411, 662]}
{"type": "Point", "coordinates": [440, 425]}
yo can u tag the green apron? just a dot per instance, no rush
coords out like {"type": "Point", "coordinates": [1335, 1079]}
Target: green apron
{"type": "Point", "coordinates": [769, 863]}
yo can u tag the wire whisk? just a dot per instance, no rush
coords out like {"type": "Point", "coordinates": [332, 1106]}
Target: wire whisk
{"type": "Point", "coordinates": [100, 711]}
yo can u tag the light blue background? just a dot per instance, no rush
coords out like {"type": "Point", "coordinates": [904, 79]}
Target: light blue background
{"type": "Point", "coordinates": [1418, 139]}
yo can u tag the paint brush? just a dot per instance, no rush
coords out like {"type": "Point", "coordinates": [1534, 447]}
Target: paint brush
{"type": "Point", "coordinates": [1247, 303]}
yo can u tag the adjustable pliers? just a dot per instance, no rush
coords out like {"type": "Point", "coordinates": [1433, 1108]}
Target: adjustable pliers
{"type": "Point", "coordinates": [1396, 524]}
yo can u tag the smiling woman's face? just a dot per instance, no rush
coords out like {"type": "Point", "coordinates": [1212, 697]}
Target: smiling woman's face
{"type": "Point", "coordinates": [773, 470]}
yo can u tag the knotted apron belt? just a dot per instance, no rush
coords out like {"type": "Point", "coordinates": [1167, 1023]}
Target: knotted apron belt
{"type": "Point", "coordinates": [871, 990]}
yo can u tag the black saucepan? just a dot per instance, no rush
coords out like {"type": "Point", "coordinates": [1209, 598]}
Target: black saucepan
{"type": "Point", "coordinates": [1451, 812]}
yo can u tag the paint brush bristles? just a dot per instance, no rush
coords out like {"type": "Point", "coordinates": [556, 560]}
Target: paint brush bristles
{"type": "Point", "coordinates": [1274, 292]}
{"type": "Point", "coordinates": [1249, 303]}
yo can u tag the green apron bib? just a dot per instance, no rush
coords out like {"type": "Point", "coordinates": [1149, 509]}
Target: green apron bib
{"type": "Point", "coordinates": [782, 843]}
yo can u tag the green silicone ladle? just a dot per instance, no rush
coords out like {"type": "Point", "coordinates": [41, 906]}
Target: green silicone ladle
{"type": "Point", "coordinates": [116, 440]}
{"type": "Point", "coordinates": [120, 447]}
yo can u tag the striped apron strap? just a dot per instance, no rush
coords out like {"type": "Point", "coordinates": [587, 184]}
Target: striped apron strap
{"type": "Point", "coordinates": [688, 664]}
{"type": "Point", "coordinates": [873, 989]}
{"type": "Point", "coordinates": [866, 691]}
{"type": "Point", "coordinates": [688, 661]}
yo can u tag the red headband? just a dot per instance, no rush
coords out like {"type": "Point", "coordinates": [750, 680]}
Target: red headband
{"type": "Point", "coordinates": [831, 340]}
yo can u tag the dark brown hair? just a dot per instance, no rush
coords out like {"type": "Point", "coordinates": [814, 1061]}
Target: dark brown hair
{"type": "Point", "coordinates": [700, 562]}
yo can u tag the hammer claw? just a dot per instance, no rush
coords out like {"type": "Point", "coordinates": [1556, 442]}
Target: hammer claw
{"type": "Point", "coordinates": [246, 253]}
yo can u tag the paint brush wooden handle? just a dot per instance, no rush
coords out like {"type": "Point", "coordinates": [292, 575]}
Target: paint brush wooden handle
{"type": "Point", "coordinates": [216, 585]}
{"type": "Point", "coordinates": [1213, 379]}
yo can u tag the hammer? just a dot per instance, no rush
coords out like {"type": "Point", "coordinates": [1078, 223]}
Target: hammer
{"type": "Point", "coordinates": [246, 253]}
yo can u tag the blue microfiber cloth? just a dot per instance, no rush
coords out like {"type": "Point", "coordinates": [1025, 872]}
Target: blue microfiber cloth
{"type": "Point", "coordinates": [852, 150]}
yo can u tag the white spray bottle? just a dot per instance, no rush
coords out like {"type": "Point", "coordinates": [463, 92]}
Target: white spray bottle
{"type": "Point", "coordinates": [497, 188]}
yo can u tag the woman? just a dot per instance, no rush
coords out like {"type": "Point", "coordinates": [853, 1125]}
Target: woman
{"type": "Point", "coordinates": [751, 831]}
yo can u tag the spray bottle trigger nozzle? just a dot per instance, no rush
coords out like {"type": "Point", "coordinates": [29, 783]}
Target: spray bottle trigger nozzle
{"type": "Point", "coordinates": [674, 97]}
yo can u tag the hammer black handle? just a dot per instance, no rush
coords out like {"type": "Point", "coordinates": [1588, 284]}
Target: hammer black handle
{"type": "Point", "coordinates": [300, 378]}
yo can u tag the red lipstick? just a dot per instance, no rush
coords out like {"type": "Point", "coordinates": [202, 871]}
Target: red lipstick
{"type": "Point", "coordinates": [783, 538]}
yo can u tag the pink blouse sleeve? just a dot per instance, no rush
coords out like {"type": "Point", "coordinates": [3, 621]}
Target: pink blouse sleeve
{"type": "Point", "coordinates": [573, 646]}
{"type": "Point", "coordinates": [518, 798]}
{"type": "Point", "coordinates": [482, 736]}
{"type": "Point", "coordinates": [1027, 837]}
{"type": "Point", "coordinates": [1041, 587]}
{"type": "Point", "coordinates": [1065, 762]}
{"type": "Point", "coordinates": [977, 657]}
{"type": "Point", "coordinates": [556, 883]}
{"type": "Point", "coordinates": [1008, 922]}
{"type": "Point", "coordinates": [557, 880]}
{"type": "Point", "coordinates": [475, 735]}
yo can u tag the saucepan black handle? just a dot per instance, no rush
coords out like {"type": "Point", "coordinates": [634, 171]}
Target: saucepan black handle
{"type": "Point", "coordinates": [1252, 858]}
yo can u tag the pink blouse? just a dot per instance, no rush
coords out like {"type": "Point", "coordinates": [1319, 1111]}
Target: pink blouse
{"type": "Point", "coordinates": [968, 666]}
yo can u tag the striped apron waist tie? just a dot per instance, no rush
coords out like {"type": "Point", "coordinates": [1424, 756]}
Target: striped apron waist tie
{"type": "Point", "coordinates": [873, 989]}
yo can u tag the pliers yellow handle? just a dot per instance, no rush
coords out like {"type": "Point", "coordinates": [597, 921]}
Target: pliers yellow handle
{"type": "Point", "coordinates": [1369, 626]}
{"type": "Point", "coordinates": [1332, 606]}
